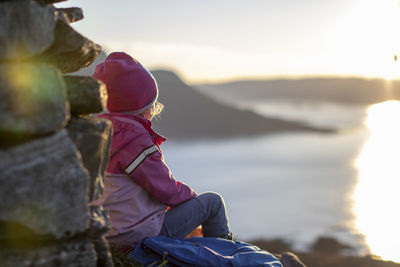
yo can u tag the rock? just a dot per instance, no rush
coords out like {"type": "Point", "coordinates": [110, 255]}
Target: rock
{"type": "Point", "coordinates": [71, 253]}
{"type": "Point", "coordinates": [92, 136]}
{"type": "Point", "coordinates": [46, 2]}
{"type": "Point", "coordinates": [71, 14]}
{"type": "Point", "coordinates": [70, 50]}
{"type": "Point", "coordinates": [86, 95]}
{"type": "Point", "coordinates": [43, 187]}
{"type": "Point", "coordinates": [329, 245]}
{"type": "Point", "coordinates": [33, 102]}
{"type": "Point", "coordinates": [99, 225]}
{"type": "Point", "coordinates": [99, 221]}
{"type": "Point", "coordinates": [27, 29]}
{"type": "Point", "coordinates": [89, 70]}
{"type": "Point", "coordinates": [104, 257]}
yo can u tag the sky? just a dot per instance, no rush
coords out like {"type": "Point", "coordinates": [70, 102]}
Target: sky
{"type": "Point", "coordinates": [220, 40]}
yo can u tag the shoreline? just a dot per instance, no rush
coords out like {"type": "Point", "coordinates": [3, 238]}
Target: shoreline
{"type": "Point", "coordinates": [325, 251]}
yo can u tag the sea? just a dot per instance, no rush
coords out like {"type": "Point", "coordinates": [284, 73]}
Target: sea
{"type": "Point", "coordinates": [298, 186]}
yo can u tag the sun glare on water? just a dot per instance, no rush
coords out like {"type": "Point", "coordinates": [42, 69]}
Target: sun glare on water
{"type": "Point", "coordinates": [377, 196]}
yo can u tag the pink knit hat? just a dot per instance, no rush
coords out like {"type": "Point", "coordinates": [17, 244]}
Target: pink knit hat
{"type": "Point", "coordinates": [130, 87]}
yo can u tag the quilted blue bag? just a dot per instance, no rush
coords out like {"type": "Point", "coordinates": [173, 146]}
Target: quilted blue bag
{"type": "Point", "coordinates": [207, 251]}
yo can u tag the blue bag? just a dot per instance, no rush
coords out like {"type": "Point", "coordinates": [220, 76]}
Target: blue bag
{"type": "Point", "coordinates": [207, 251]}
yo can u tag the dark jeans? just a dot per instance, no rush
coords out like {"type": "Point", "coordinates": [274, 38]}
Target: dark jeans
{"type": "Point", "coordinates": [207, 209]}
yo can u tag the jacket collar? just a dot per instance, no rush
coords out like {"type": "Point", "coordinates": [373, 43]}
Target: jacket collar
{"type": "Point", "coordinates": [159, 139]}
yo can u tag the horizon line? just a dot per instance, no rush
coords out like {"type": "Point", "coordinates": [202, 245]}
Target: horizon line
{"type": "Point", "coordinates": [244, 78]}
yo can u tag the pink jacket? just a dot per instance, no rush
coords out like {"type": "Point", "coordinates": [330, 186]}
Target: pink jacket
{"type": "Point", "coordinates": [138, 186]}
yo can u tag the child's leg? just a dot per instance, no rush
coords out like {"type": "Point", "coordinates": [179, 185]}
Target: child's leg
{"type": "Point", "coordinates": [207, 209]}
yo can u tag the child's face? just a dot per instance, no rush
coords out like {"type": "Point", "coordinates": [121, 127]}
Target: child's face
{"type": "Point", "coordinates": [149, 113]}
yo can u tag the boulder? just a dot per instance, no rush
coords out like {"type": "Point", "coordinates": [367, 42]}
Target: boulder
{"type": "Point", "coordinates": [71, 14]}
{"type": "Point", "coordinates": [33, 102]}
{"type": "Point", "coordinates": [70, 50]}
{"type": "Point", "coordinates": [86, 95]}
{"type": "Point", "coordinates": [92, 136]}
{"type": "Point", "coordinates": [43, 187]}
{"type": "Point", "coordinates": [27, 29]}
{"type": "Point", "coordinates": [71, 253]}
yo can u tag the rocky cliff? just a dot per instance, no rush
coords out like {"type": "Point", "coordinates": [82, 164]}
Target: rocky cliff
{"type": "Point", "coordinates": [52, 153]}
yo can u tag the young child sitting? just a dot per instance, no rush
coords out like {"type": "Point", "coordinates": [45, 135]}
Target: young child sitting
{"type": "Point", "coordinates": [140, 193]}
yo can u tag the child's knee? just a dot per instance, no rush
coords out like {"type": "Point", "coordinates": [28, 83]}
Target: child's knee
{"type": "Point", "coordinates": [213, 198]}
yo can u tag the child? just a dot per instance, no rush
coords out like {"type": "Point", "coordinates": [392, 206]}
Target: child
{"type": "Point", "coordinates": [138, 186]}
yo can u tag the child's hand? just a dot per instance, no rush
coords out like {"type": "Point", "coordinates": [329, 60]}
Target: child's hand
{"type": "Point", "coordinates": [198, 232]}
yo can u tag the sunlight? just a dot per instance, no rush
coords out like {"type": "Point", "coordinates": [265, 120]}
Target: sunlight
{"type": "Point", "coordinates": [375, 38]}
{"type": "Point", "coordinates": [392, 70]}
{"type": "Point", "coordinates": [377, 194]}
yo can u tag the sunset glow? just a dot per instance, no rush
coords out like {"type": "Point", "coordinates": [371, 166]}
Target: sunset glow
{"type": "Point", "coordinates": [215, 41]}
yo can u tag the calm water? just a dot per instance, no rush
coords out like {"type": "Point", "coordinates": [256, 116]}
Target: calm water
{"type": "Point", "coordinates": [295, 186]}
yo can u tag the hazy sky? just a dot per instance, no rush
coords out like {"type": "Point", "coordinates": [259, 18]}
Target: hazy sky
{"type": "Point", "coordinates": [220, 39]}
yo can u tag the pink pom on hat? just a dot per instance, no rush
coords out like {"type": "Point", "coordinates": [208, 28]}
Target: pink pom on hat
{"type": "Point", "coordinates": [130, 87]}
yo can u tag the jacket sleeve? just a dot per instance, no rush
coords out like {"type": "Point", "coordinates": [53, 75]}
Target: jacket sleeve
{"type": "Point", "coordinates": [143, 161]}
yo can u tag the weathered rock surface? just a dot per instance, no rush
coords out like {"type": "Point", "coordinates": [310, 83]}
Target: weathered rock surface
{"type": "Point", "coordinates": [42, 2]}
{"type": "Point", "coordinates": [71, 14]}
{"type": "Point", "coordinates": [33, 101]}
{"type": "Point", "coordinates": [86, 94]}
{"type": "Point", "coordinates": [99, 225]}
{"type": "Point", "coordinates": [89, 70]}
{"type": "Point", "coordinates": [45, 2]}
{"type": "Point", "coordinates": [99, 221]}
{"type": "Point", "coordinates": [104, 257]}
{"type": "Point", "coordinates": [71, 253]}
{"type": "Point", "coordinates": [92, 136]}
{"type": "Point", "coordinates": [43, 186]}
{"type": "Point", "coordinates": [70, 50]}
{"type": "Point", "coordinates": [26, 29]}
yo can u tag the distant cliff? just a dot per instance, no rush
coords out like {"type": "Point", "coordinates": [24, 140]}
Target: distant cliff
{"type": "Point", "coordinates": [339, 90]}
{"type": "Point", "coordinates": [191, 114]}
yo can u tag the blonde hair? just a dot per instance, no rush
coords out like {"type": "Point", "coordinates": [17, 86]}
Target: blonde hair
{"type": "Point", "coordinates": [153, 111]}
